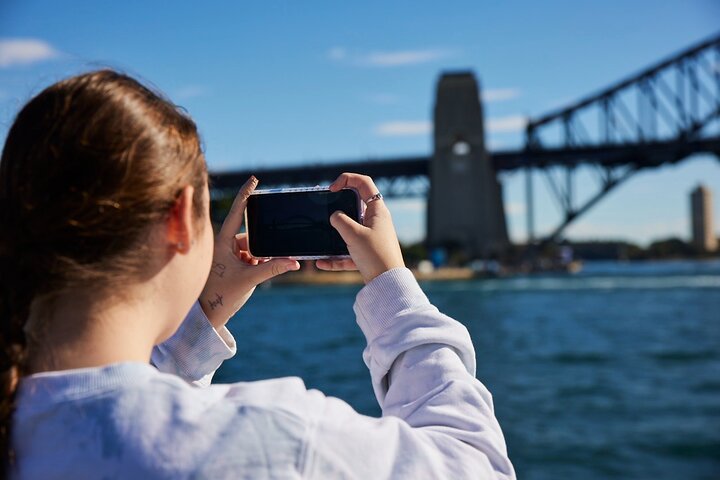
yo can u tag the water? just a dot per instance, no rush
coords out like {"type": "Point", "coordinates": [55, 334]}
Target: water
{"type": "Point", "coordinates": [614, 372]}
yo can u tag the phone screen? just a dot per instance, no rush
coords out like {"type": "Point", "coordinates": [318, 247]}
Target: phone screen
{"type": "Point", "coordinates": [295, 224]}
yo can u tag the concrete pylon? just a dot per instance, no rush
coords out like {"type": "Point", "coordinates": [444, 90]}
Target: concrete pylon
{"type": "Point", "coordinates": [465, 207]}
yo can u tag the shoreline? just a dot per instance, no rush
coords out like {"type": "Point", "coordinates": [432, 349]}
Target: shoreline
{"type": "Point", "coordinates": [312, 276]}
{"type": "Point", "coordinates": [309, 275]}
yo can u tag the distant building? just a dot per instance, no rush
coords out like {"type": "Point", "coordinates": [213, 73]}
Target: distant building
{"type": "Point", "coordinates": [703, 234]}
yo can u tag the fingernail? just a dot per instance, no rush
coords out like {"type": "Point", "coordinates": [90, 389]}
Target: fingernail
{"type": "Point", "coordinates": [253, 179]}
{"type": "Point", "coordinates": [292, 266]}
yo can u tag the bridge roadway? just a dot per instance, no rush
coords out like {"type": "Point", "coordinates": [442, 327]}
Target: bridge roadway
{"type": "Point", "coordinates": [661, 115]}
{"type": "Point", "coordinates": [646, 155]}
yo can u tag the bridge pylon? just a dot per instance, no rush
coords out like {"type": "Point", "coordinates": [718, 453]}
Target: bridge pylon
{"type": "Point", "coordinates": [465, 207]}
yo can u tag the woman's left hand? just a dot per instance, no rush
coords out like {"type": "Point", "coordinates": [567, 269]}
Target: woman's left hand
{"type": "Point", "coordinates": [235, 273]}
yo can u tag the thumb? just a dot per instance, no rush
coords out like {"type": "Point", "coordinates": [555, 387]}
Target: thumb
{"type": "Point", "coordinates": [348, 228]}
{"type": "Point", "coordinates": [272, 268]}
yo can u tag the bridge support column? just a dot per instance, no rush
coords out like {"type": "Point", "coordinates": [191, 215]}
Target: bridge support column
{"type": "Point", "coordinates": [465, 207]}
{"type": "Point", "coordinates": [529, 205]}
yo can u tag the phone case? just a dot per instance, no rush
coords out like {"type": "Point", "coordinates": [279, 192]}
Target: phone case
{"type": "Point", "coordinates": [317, 188]}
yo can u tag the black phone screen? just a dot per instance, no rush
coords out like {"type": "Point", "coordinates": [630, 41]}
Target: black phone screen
{"type": "Point", "coordinates": [294, 224]}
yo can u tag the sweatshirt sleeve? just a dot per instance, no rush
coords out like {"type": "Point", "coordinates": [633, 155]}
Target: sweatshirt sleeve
{"type": "Point", "coordinates": [196, 350]}
{"type": "Point", "coordinates": [438, 419]}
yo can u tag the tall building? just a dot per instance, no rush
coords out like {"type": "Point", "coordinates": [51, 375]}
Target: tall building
{"type": "Point", "coordinates": [703, 234]}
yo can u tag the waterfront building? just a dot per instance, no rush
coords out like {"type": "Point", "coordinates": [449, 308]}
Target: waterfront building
{"type": "Point", "coordinates": [703, 233]}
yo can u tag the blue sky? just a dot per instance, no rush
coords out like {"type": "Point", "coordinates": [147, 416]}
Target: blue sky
{"type": "Point", "coordinates": [280, 83]}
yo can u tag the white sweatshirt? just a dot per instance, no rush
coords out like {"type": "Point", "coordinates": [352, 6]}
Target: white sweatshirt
{"type": "Point", "coordinates": [136, 421]}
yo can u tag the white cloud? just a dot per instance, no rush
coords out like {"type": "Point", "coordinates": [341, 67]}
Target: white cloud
{"type": "Point", "coordinates": [512, 123]}
{"type": "Point", "coordinates": [499, 94]}
{"type": "Point", "coordinates": [190, 91]}
{"type": "Point", "coordinates": [392, 58]}
{"type": "Point", "coordinates": [25, 51]}
{"type": "Point", "coordinates": [403, 128]}
{"type": "Point", "coordinates": [404, 57]}
{"type": "Point", "coordinates": [337, 53]}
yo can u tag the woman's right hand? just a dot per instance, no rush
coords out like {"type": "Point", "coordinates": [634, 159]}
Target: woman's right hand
{"type": "Point", "coordinates": [373, 246]}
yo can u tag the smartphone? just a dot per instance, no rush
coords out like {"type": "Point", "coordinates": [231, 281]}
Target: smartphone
{"type": "Point", "coordinates": [295, 222]}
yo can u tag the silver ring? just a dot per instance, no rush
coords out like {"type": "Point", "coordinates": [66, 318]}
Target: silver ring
{"type": "Point", "coordinates": [377, 196]}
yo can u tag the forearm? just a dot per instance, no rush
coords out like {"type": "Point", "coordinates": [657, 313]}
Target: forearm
{"type": "Point", "coordinates": [422, 365]}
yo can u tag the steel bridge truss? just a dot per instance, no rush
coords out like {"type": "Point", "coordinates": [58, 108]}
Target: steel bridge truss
{"type": "Point", "coordinates": [660, 115]}
{"type": "Point", "coordinates": [407, 187]}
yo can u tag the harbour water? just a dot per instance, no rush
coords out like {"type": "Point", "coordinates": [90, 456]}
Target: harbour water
{"type": "Point", "coordinates": [610, 373]}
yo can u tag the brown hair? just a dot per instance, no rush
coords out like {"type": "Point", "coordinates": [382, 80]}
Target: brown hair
{"type": "Point", "coordinates": [88, 166]}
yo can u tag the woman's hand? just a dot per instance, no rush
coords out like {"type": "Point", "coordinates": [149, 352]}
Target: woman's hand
{"type": "Point", "coordinates": [373, 246]}
{"type": "Point", "coordinates": [235, 273]}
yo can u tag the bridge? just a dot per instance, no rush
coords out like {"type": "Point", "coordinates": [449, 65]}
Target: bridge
{"type": "Point", "coordinates": [658, 116]}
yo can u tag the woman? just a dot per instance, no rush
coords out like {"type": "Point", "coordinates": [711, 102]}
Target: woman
{"type": "Point", "coordinates": [106, 245]}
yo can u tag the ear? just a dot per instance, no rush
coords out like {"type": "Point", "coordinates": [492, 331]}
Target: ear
{"type": "Point", "coordinates": [180, 222]}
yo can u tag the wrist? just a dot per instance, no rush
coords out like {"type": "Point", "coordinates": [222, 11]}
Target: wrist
{"type": "Point", "coordinates": [379, 303]}
{"type": "Point", "coordinates": [372, 275]}
{"type": "Point", "coordinates": [213, 304]}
